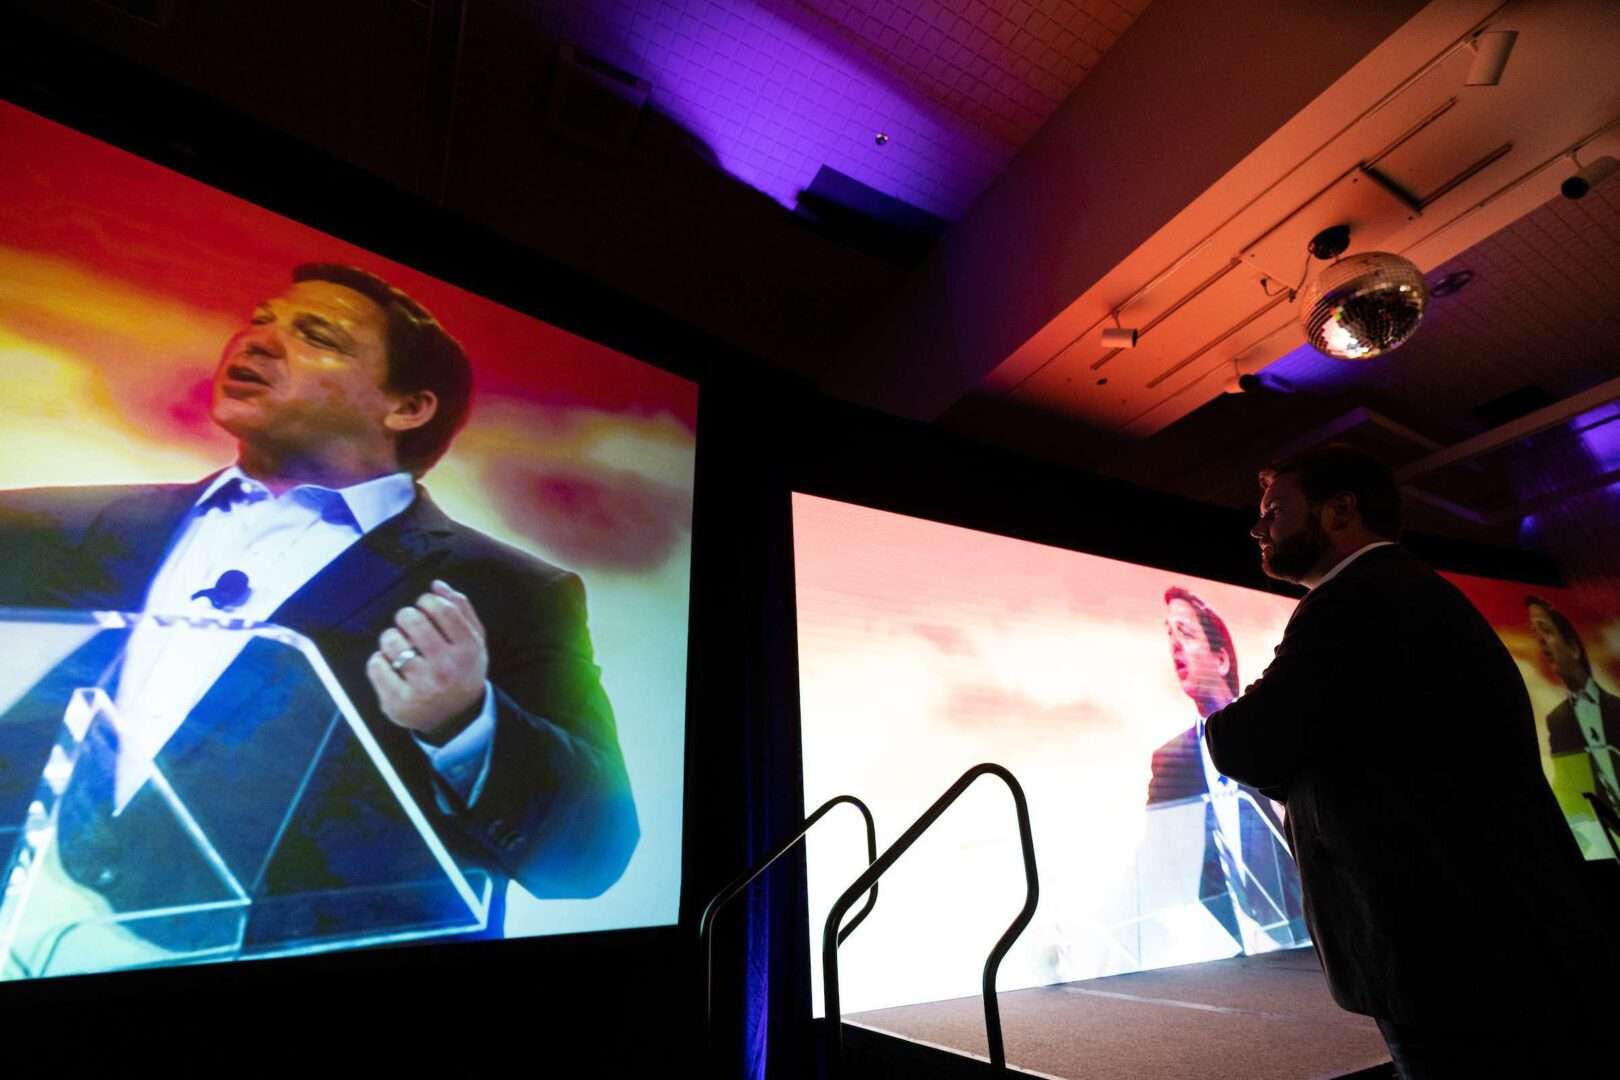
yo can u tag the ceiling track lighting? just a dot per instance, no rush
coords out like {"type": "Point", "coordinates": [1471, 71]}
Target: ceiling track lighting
{"type": "Point", "coordinates": [1491, 51]}
{"type": "Point", "coordinates": [1119, 337]}
{"type": "Point", "coordinates": [1518, 181]}
{"type": "Point", "coordinates": [1589, 176]}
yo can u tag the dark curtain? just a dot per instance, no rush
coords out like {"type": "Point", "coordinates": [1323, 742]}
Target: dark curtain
{"type": "Point", "coordinates": [743, 762]}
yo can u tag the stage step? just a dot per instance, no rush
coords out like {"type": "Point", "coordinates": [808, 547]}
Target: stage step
{"type": "Point", "coordinates": [1266, 1017]}
{"type": "Point", "coordinates": [877, 1055]}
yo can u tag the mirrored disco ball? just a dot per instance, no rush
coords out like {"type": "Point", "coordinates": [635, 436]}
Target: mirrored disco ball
{"type": "Point", "coordinates": [1363, 305]}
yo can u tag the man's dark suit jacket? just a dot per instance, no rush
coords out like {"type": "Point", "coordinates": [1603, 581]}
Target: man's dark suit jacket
{"type": "Point", "coordinates": [555, 812]}
{"type": "Point", "coordinates": [1439, 873]}
{"type": "Point", "coordinates": [1564, 734]}
{"type": "Point", "coordinates": [1178, 773]}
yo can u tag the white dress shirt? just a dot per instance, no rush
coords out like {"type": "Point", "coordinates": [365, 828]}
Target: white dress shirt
{"type": "Point", "coordinates": [1589, 715]}
{"type": "Point", "coordinates": [1347, 560]}
{"type": "Point", "coordinates": [280, 543]}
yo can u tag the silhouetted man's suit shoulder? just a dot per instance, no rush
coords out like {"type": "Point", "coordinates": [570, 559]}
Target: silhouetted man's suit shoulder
{"type": "Point", "coordinates": [555, 811]}
{"type": "Point", "coordinates": [1438, 869]}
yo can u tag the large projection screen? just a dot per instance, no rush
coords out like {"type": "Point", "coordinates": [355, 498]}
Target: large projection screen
{"type": "Point", "coordinates": [152, 334]}
{"type": "Point", "coordinates": [925, 649]}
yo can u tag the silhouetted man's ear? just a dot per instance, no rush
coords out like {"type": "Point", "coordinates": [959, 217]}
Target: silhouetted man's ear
{"type": "Point", "coordinates": [1341, 510]}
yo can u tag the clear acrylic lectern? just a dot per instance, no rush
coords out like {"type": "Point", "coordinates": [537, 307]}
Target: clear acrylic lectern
{"type": "Point", "coordinates": [1200, 896]}
{"type": "Point", "coordinates": [176, 790]}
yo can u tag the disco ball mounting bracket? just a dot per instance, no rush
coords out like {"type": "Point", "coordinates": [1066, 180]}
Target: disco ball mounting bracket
{"type": "Point", "coordinates": [1330, 243]}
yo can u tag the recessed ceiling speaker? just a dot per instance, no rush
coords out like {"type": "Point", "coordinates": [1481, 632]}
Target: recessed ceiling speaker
{"type": "Point", "coordinates": [1363, 305]}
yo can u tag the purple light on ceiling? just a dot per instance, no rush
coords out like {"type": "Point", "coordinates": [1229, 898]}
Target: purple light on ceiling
{"type": "Point", "coordinates": [1310, 370]}
{"type": "Point", "coordinates": [1599, 431]}
{"type": "Point", "coordinates": [776, 91]}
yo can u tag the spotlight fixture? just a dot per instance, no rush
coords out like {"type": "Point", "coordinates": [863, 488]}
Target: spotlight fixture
{"type": "Point", "coordinates": [1491, 51]}
{"type": "Point", "coordinates": [1452, 282]}
{"type": "Point", "coordinates": [1120, 337]}
{"type": "Point", "coordinates": [1589, 176]}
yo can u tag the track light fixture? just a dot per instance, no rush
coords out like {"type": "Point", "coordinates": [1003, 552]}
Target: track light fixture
{"type": "Point", "coordinates": [1588, 176]}
{"type": "Point", "coordinates": [1119, 337]}
{"type": "Point", "coordinates": [1491, 50]}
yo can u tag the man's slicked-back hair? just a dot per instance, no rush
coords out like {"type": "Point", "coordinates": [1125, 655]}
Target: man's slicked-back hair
{"type": "Point", "coordinates": [1339, 469]}
{"type": "Point", "coordinates": [421, 356]}
{"type": "Point", "coordinates": [1565, 628]}
{"type": "Point", "coordinates": [1215, 632]}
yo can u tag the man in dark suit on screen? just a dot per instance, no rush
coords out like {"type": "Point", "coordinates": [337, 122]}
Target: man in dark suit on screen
{"type": "Point", "coordinates": [1248, 882]}
{"type": "Point", "coordinates": [1442, 887]}
{"type": "Point", "coordinates": [1588, 720]}
{"type": "Point", "coordinates": [468, 661]}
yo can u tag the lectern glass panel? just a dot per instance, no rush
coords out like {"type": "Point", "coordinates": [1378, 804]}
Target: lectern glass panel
{"type": "Point", "coordinates": [178, 790]}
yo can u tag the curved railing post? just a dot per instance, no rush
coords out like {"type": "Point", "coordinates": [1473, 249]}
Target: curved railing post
{"type": "Point", "coordinates": [1032, 894]}
{"type": "Point", "coordinates": [737, 885]}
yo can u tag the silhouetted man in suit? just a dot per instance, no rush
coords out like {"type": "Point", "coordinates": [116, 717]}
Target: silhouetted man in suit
{"type": "Point", "coordinates": [1442, 887]}
{"type": "Point", "coordinates": [1247, 881]}
{"type": "Point", "coordinates": [469, 661]}
{"type": "Point", "coordinates": [1588, 720]}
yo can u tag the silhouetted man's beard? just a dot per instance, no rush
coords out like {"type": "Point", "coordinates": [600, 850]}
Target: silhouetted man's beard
{"type": "Point", "coordinates": [1293, 558]}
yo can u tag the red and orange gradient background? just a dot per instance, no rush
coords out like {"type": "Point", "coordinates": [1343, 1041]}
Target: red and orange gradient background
{"type": "Point", "coordinates": [120, 282]}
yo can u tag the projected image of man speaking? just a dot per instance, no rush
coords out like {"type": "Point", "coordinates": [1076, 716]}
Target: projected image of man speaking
{"type": "Point", "coordinates": [1587, 722]}
{"type": "Point", "coordinates": [469, 661]}
{"type": "Point", "coordinates": [1248, 881]}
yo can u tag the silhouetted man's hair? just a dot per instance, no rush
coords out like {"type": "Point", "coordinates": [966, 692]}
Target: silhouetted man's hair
{"type": "Point", "coordinates": [421, 356]}
{"type": "Point", "coordinates": [1565, 628]}
{"type": "Point", "coordinates": [1337, 469]}
{"type": "Point", "coordinates": [1214, 631]}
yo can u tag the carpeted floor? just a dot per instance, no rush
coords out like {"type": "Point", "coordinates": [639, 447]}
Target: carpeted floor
{"type": "Point", "coordinates": [1259, 1018]}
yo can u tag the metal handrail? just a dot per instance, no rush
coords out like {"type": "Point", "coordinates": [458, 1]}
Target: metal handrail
{"type": "Point", "coordinates": [1607, 818]}
{"type": "Point", "coordinates": [741, 882]}
{"type": "Point", "coordinates": [1032, 895]}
